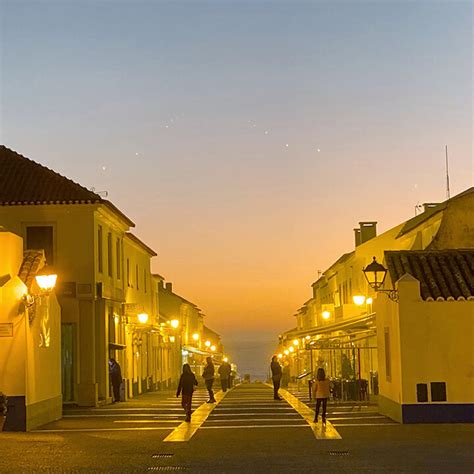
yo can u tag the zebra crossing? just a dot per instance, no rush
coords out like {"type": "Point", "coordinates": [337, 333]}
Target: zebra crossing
{"type": "Point", "coordinates": [347, 414]}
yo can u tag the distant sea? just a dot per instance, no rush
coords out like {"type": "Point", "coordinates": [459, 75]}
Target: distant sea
{"type": "Point", "coordinates": [252, 352]}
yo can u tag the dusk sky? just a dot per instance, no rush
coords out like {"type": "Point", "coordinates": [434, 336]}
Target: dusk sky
{"type": "Point", "coordinates": [244, 139]}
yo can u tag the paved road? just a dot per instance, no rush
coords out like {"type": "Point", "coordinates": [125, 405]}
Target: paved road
{"type": "Point", "coordinates": [246, 432]}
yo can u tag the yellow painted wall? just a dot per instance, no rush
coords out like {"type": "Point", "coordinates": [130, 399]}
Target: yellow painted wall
{"type": "Point", "coordinates": [437, 344]}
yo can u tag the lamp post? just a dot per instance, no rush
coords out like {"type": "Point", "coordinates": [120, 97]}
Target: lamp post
{"type": "Point", "coordinates": [375, 274]}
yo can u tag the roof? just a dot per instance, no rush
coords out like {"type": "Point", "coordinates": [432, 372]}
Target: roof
{"type": "Point", "coordinates": [412, 223]}
{"type": "Point", "coordinates": [343, 258]}
{"type": "Point", "coordinates": [25, 182]}
{"type": "Point", "coordinates": [33, 261]}
{"type": "Point", "coordinates": [443, 274]}
{"type": "Point", "coordinates": [135, 239]}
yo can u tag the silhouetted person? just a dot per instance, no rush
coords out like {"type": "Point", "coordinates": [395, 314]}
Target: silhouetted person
{"type": "Point", "coordinates": [276, 376]}
{"type": "Point", "coordinates": [224, 373]}
{"type": "Point", "coordinates": [321, 393]}
{"type": "Point", "coordinates": [186, 385]}
{"type": "Point", "coordinates": [208, 376]}
{"type": "Point", "coordinates": [285, 376]}
{"type": "Point", "coordinates": [115, 378]}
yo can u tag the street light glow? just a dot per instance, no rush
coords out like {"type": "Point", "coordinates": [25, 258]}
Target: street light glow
{"type": "Point", "coordinates": [369, 300]}
{"type": "Point", "coordinates": [291, 349]}
{"type": "Point", "coordinates": [226, 359]}
{"type": "Point", "coordinates": [46, 278]}
{"type": "Point", "coordinates": [296, 342]}
{"type": "Point", "coordinates": [196, 336]}
{"type": "Point", "coordinates": [172, 338]}
{"type": "Point", "coordinates": [280, 356]}
{"type": "Point", "coordinates": [174, 323]}
{"type": "Point", "coordinates": [143, 318]}
{"type": "Point", "coordinates": [286, 351]}
{"type": "Point", "coordinates": [359, 300]}
{"type": "Point", "coordinates": [207, 343]}
{"type": "Point", "coordinates": [213, 348]}
{"type": "Point", "coordinates": [326, 315]}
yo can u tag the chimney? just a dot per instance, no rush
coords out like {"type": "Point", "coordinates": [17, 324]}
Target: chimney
{"type": "Point", "coordinates": [169, 287]}
{"type": "Point", "coordinates": [429, 205]}
{"type": "Point", "coordinates": [368, 230]}
{"type": "Point", "coordinates": [357, 237]}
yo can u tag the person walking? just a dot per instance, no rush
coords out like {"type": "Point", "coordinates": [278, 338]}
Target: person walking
{"type": "Point", "coordinates": [115, 374]}
{"type": "Point", "coordinates": [186, 385]}
{"type": "Point", "coordinates": [276, 376]}
{"type": "Point", "coordinates": [321, 394]}
{"type": "Point", "coordinates": [208, 376]}
{"type": "Point", "coordinates": [224, 374]}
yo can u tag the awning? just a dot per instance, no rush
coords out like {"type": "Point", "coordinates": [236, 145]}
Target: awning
{"type": "Point", "coordinates": [195, 350]}
{"type": "Point", "coordinates": [362, 322]}
{"type": "Point", "coordinates": [117, 347]}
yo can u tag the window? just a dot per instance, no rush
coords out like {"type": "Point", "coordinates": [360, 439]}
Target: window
{"type": "Point", "coordinates": [388, 358]}
{"type": "Point", "coordinates": [136, 274]}
{"type": "Point", "coordinates": [41, 238]}
{"type": "Point", "coordinates": [421, 392]}
{"type": "Point", "coordinates": [438, 391]}
{"type": "Point", "coordinates": [128, 273]}
{"type": "Point", "coordinates": [109, 255]}
{"type": "Point", "coordinates": [118, 258]}
{"type": "Point", "coordinates": [100, 257]}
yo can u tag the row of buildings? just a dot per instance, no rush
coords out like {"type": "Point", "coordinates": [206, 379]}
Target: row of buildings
{"type": "Point", "coordinates": [107, 303]}
{"type": "Point", "coordinates": [408, 342]}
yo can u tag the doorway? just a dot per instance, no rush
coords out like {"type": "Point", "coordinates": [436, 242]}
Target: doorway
{"type": "Point", "coordinates": [68, 379]}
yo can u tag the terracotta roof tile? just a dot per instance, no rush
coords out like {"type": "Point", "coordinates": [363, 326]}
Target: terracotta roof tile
{"type": "Point", "coordinates": [23, 181]}
{"type": "Point", "coordinates": [443, 274]}
{"type": "Point", "coordinates": [33, 261]}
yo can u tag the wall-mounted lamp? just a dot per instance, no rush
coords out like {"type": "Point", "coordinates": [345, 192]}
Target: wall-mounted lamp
{"type": "Point", "coordinates": [213, 348]}
{"type": "Point", "coordinates": [46, 279]}
{"type": "Point", "coordinates": [196, 336]}
{"type": "Point", "coordinates": [172, 339]}
{"type": "Point", "coordinates": [143, 318]}
{"type": "Point", "coordinates": [358, 300]}
{"type": "Point", "coordinates": [174, 323]}
{"type": "Point", "coordinates": [326, 314]}
{"type": "Point", "coordinates": [375, 274]}
{"type": "Point", "coordinates": [207, 343]}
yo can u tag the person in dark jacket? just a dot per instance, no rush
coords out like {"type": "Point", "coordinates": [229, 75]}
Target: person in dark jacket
{"type": "Point", "coordinates": [276, 377]}
{"type": "Point", "coordinates": [208, 376]}
{"type": "Point", "coordinates": [224, 374]}
{"type": "Point", "coordinates": [186, 385]}
{"type": "Point", "coordinates": [115, 378]}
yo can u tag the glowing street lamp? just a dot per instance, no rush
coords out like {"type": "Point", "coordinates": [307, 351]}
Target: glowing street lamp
{"type": "Point", "coordinates": [196, 336]}
{"type": "Point", "coordinates": [280, 356]}
{"type": "Point", "coordinates": [172, 339]}
{"type": "Point", "coordinates": [359, 300]}
{"type": "Point", "coordinates": [369, 301]}
{"type": "Point", "coordinates": [226, 359]}
{"type": "Point", "coordinates": [291, 349]}
{"type": "Point", "coordinates": [143, 318]}
{"type": "Point", "coordinates": [46, 279]}
{"type": "Point", "coordinates": [174, 323]}
{"type": "Point", "coordinates": [213, 348]}
{"type": "Point", "coordinates": [286, 351]}
{"type": "Point", "coordinates": [207, 343]}
{"type": "Point", "coordinates": [296, 342]}
{"type": "Point", "coordinates": [308, 338]}
{"type": "Point", "coordinates": [375, 274]}
{"type": "Point", "coordinates": [326, 315]}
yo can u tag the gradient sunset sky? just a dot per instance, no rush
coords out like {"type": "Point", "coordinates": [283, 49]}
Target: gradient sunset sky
{"type": "Point", "coordinates": [245, 139]}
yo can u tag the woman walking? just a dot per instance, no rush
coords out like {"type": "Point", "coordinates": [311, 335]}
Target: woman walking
{"type": "Point", "coordinates": [321, 393]}
{"type": "Point", "coordinates": [186, 385]}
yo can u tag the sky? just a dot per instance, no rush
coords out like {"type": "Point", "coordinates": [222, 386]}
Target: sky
{"type": "Point", "coordinates": [245, 139]}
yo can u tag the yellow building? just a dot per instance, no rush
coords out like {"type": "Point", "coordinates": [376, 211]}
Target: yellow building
{"type": "Point", "coordinates": [340, 326]}
{"type": "Point", "coordinates": [196, 341]}
{"type": "Point", "coordinates": [105, 280]}
{"type": "Point", "coordinates": [30, 343]}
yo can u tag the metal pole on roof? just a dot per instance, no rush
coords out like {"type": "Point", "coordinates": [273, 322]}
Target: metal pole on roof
{"type": "Point", "coordinates": [448, 194]}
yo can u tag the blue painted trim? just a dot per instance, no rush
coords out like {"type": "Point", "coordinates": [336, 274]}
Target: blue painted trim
{"type": "Point", "coordinates": [438, 413]}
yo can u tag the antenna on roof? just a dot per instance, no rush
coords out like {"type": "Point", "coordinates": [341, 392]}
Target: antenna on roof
{"type": "Point", "coordinates": [448, 194]}
{"type": "Point", "coordinates": [100, 193]}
